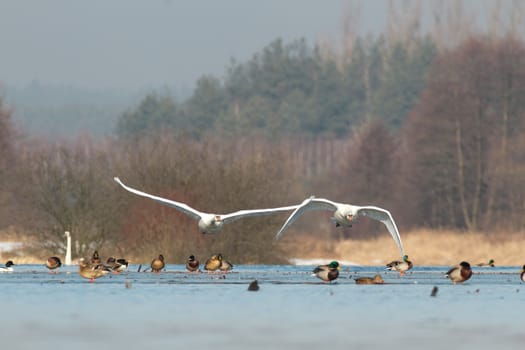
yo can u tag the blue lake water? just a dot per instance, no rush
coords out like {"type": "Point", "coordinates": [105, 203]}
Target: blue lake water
{"type": "Point", "coordinates": [292, 310]}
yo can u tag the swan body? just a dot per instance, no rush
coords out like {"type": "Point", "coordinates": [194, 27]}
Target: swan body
{"type": "Point", "coordinates": [345, 215]}
{"type": "Point", "coordinates": [207, 222]}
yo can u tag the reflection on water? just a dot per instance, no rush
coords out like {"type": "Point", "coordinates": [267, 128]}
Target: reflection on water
{"type": "Point", "coordinates": [291, 310]}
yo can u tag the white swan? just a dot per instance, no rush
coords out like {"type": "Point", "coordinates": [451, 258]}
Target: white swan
{"type": "Point", "coordinates": [208, 223]}
{"type": "Point", "coordinates": [68, 248]}
{"type": "Point", "coordinates": [345, 215]}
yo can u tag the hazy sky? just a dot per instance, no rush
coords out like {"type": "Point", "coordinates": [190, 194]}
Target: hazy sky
{"type": "Point", "coordinates": [141, 43]}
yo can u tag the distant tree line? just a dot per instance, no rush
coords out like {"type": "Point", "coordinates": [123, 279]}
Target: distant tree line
{"type": "Point", "coordinates": [295, 89]}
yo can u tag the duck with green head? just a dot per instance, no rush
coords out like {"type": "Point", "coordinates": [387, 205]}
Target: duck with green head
{"type": "Point", "coordinates": [400, 266]}
{"type": "Point", "coordinates": [327, 273]}
{"type": "Point", "coordinates": [522, 273]}
{"type": "Point", "coordinates": [490, 263]}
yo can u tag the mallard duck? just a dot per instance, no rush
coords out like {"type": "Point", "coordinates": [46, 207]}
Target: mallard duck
{"type": "Point", "coordinates": [95, 258]}
{"type": "Point", "coordinates": [92, 271]}
{"type": "Point", "coordinates": [212, 264]}
{"type": "Point", "coordinates": [490, 263]}
{"type": "Point", "coordinates": [192, 264]}
{"type": "Point", "coordinates": [345, 215]}
{"type": "Point", "coordinates": [400, 266]}
{"type": "Point", "coordinates": [53, 263]}
{"type": "Point", "coordinates": [225, 265]}
{"type": "Point", "coordinates": [327, 273]}
{"type": "Point", "coordinates": [377, 279]}
{"type": "Point", "coordinates": [117, 265]}
{"type": "Point", "coordinates": [208, 223]}
{"type": "Point", "coordinates": [459, 273]}
{"type": "Point", "coordinates": [157, 264]}
{"type": "Point", "coordinates": [8, 266]}
{"type": "Point", "coordinates": [522, 273]}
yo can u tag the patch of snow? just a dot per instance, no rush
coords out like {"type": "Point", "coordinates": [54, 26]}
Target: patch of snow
{"type": "Point", "coordinates": [320, 261]}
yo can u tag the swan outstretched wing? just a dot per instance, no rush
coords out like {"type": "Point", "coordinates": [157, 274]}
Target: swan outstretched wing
{"type": "Point", "coordinates": [308, 204]}
{"type": "Point", "coordinates": [177, 205]}
{"type": "Point", "coordinates": [227, 218]}
{"type": "Point", "coordinates": [386, 218]}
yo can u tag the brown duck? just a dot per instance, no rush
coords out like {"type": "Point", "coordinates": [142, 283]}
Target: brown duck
{"type": "Point", "coordinates": [459, 273]}
{"type": "Point", "coordinates": [212, 264]}
{"type": "Point", "coordinates": [225, 265]}
{"type": "Point", "coordinates": [192, 264]}
{"type": "Point", "coordinates": [377, 279]}
{"type": "Point", "coordinates": [92, 271]}
{"type": "Point", "coordinates": [157, 264]}
{"type": "Point", "coordinates": [53, 263]}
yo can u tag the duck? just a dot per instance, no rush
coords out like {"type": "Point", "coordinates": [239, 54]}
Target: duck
{"type": "Point", "coordinates": [8, 266]}
{"type": "Point", "coordinates": [522, 273]}
{"type": "Point", "coordinates": [207, 222]}
{"type": "Point", "coordinates": [400, 266]}
{"type": "Point", "coordinates": [117, 265]}
{"type": "Point", "coordinates": [192, 264]}
{"type": "Point", "coordinates": [459, 273]}
{"type": "Point", "coordinates": [123, 262]}
{"type": "Point", "coordinates": [95, 258]}
{"type": "Point", "coordinates": [490, 263]}
{"type": "Point", "coordinates": [377, 279]}
{"type": "Point", "coordinates": [53, 263]}
{"type": "Point", "coordinates": [253, 286]}
{"type": "Point", "coordinates": [212, 264]}
{"type": "Point", "coordinates": [327, 273]}
{"type": "Point", "coordinates": [92, 271]}
{"type": "Point", "coordinates": [157, 264]}
{"type": "Point", "coordinates": [225, 265]}
{"type": "Point", "coordinates": [345, 215]}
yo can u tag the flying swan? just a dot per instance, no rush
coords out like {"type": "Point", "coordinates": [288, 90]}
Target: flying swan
{"type": "Point", "coordinates": [208, 223]}
{"type": "Point", "coordinates": [345, 215]}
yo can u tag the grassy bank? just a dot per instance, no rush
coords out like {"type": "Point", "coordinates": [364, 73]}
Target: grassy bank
{"type": "Point", "coordinates": [424, 247]}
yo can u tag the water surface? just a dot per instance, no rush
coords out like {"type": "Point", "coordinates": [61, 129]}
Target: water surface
{"type": "Point", "coordinates": [292, 310]}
